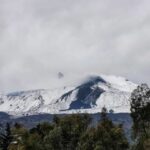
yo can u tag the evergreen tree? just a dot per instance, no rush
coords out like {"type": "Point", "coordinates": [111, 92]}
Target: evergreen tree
{"type": "Point", "coordinates": [6, 137]}
{"type": "Point", "coordinates": [56, 120]}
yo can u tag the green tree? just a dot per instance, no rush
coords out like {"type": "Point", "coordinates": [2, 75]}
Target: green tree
{"type": "Point", "coordinates": [54, 140]}
{"type": "Point", "coordinates": [67, 132]}
{"type": "Point", "coordinates": [6, 137]}
{"type": "Point", "coordinates": [71, 132]}
{"type": "Point", "coordinates": [140, 113]}
{"type": "Point", "coordinates": [105, 136]}
{"type": "Point", "coordinates": [42, 129]}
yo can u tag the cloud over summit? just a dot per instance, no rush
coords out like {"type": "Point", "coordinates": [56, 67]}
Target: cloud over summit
{"type": "Point", "coordinates": [38, 39]}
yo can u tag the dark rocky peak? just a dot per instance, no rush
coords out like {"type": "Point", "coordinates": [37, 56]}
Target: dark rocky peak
{"type": "Point", "coordinates": [60, 75]}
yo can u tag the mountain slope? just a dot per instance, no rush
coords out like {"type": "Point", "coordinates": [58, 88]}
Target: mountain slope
{"type": "Point", "coordinates": [88, 96]}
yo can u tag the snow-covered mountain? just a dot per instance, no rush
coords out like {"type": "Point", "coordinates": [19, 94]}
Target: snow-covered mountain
{"type": "Point", "coordinates": [88, 96]}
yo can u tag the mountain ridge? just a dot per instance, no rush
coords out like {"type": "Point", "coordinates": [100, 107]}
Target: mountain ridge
{"type": "Point", "coordinates": [89, 96]}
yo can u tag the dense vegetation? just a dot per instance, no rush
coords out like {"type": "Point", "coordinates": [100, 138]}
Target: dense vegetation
{"type": "Point", "coordinates": [77, 132]}
{"type": "Point", "coordinates": [73, 132]}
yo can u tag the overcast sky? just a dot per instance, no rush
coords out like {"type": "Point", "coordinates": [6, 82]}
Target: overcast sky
{"type": "Point", "coordinates": [39, 38]}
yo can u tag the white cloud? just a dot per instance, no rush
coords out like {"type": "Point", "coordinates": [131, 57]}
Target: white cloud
{"type": "Point", "coordinates": [40, 38]}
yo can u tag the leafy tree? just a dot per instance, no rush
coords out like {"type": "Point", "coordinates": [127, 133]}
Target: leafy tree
{"type": "Point", "coordinates": [140, 109]}
{"type": "Point", "coordinates": [106, 136]}
{"type": "Point", "coordinates": [42, 129]}
{"type": "Point", "coordinates": [71, 132]}
{"type": "Point", "coordinates": [19, 140]}
{"type": "Point", "coordinates": [34, 138]}
{"type": "Point", "coordinates": [53, 140]}
{"type": "Point", "coordinates": [140, 113]}
{"type": "Point", "coordinates": [67, 132]}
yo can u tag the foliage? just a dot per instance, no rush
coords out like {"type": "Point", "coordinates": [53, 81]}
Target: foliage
{"type": "Point", "coordinates": [140, 113]}
{"type": "Point", "coordinates": [106, 136]}
{"type": "Point", "coordinates": [71, 132]}
{"type": "Point", "coordinates": [6, 137]}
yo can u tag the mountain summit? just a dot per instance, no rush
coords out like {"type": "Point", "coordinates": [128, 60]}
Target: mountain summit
{"type": "Point", "coordinates": [88, 96]}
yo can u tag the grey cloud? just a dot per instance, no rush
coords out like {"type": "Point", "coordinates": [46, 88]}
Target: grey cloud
{"type": "Point", "coordinates": [40, 38]}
